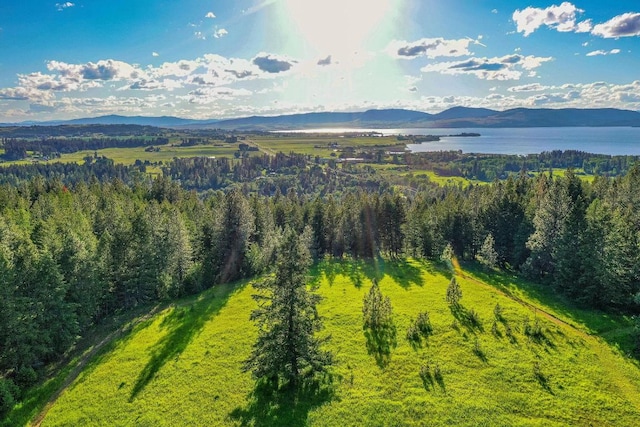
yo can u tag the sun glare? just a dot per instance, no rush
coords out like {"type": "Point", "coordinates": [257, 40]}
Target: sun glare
{"type": "Point", "coordinates": [336, 26]}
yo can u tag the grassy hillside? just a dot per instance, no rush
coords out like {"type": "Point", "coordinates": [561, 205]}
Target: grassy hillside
{"type": "Point", "coordinates": [182, 366]}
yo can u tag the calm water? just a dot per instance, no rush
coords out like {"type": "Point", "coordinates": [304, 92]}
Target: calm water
{"type": "Point", "coordinates": [611, 140]}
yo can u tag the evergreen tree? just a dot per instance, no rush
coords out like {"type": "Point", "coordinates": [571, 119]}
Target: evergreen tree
{"type": "Point", "coordinates": [287, 348]}
{"type": "Point", "coordinates": [376, 310]}
{"type": "Point", "coordinates": [454, 293]}
{"type": "Point", "coordinates": [488, 255]}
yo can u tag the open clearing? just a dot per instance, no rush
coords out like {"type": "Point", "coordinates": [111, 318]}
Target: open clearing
{"type": "Point", "coordinates": [182, 366]}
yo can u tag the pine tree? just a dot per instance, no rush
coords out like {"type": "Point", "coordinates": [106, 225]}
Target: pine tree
{"type": "Point", "coordinates": [376, 310]}
{"type": "Point", "coordinates": [454, 293]}
{"type": "Point", "coordinates": [287, 348]}
{"type": "Point", "coordinates": [488, 255]}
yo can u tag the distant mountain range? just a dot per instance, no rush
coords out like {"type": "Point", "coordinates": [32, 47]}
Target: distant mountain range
{"type": "Point", "coordinates": [457, 117]}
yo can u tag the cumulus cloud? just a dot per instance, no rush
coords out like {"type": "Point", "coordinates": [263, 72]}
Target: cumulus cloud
{"type": "Point", "coordinates": [604, 52]}
{"type": "Point", "coordinates": [220, 33]}
{"type": "Point", "coordinates": [210, 15]}
{"type": "Point", "coordinates": [325, 61]}
{"type": "Point", "coordinates": [270, 63]}
{"type": "Point", "coordinates": [533, 87]}
{"type": "Point", "coordinates": [144, 84]}
{"type": "Point", "coordinates": [209, 95]}
{"type": "Point", "coordinates": [240, 74]}
{"type": "Point", "coordinates": [179, 68]}
{"type": "Point", "coordinates": [563, 18]}
{"type": "Point", "coordinates": [15, 94]}
{"type": "Point", "coordinates": [431, 48]}
{"type": "Point", "coordinates": [62, 6]}
{"type": "Point", "coordinates": [625, 25]}
{"type": "Point", "coordinates": [155, 54]}
{"type": "Point", "coordinates": [102, 70]}
{"type": "Point", "coordinates": [509, 67]}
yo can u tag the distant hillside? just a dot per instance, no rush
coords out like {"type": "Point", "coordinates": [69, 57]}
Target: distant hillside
{"type": "Point", "coordinates": [464, 113]}
{"type": "Point", "coordinates": [370, 118]}
{"type": "Point", "coordinates": [164, 121]}
{"type": "Point", "coordinates": [526, 363]}
{"type": "Point", "coordinates": [456, 117]}
{"type": "Point", "coordinates": [523, 117]}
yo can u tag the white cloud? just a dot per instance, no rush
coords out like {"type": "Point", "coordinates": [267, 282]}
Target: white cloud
{"type": "Point", "coordinates": [584, 26]}
{"type": "Point", "coordinates": [625, 25]}
{"type": "Point", "coordinates": [494, 11]}
{"type": "Point", "coordinates": [179, 68]}
{"type": "Point", "coordinates": [62, 6]}
{"type": "Point", "coordinates": [199, 35]}
{"type": "Point", "coordinates": [604, 52]}
{"type": "Point", "coordinates": [533, 87]}
{"type": "Point", "coordinates": [509, 67]}
{"type": "Point", "coordinates": [164, 84]}
{"type": "Point", "coordinates": [563, 18]}
{"type": "Point", "coordinates": [431, 48]}
{"type": "Point", "coordinates": [210, 15]}
{"type": "Point", "coordinates": [24, 94]}
{"type": "Point", "coordinates": [155, 54]}
{"type": "Point", "coordinates": [271, 63]}
{"type": "Point", "coordinates": [208, 95]}
{"type": "Point", "coordinates": [102, 70]}
{"type": "Point", "coordinates": [220, 33]}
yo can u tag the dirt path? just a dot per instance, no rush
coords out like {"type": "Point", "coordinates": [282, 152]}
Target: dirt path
{"type": "Point", "coordinates": [86, 357]}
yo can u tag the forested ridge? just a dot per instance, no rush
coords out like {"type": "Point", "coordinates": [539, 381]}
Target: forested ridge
{"type": "Point", "coordinates": [73, 253]}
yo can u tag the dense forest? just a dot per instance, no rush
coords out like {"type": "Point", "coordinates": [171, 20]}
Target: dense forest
{"type": "Point", "coordinates": [73, 253]}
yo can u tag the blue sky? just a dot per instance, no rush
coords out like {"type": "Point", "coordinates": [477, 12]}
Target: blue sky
{"type": "Point", "coordinates": [218, 59]}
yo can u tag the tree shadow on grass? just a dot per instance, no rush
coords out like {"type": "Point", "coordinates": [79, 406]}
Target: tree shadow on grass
{"type": "Point", "coordinates": [271, 407]}
{"type": "Point", "coordinates": [182, 325]}
{"type": "Point", "coordinates": [356, 270]}
{"type": "Point", "coordinates": [380, 342]}
{"type": "Point", "coordinates": [601, 322]}
{"type": "Point", "coordinates": [466, 318]}
{"type": "Point", "coordinates": [405, 273]}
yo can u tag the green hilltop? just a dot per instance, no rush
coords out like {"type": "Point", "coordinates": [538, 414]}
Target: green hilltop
{"type": "Point", "coordinates": [534, 361]}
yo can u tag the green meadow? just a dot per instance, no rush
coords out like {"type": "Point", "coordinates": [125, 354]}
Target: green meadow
{"type": "Point", "coordinates": [182, 364]}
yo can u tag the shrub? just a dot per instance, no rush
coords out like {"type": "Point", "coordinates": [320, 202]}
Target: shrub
{"type": "Point", "coordinates": [533, 331]}
{"type": "Point", "coordinates": [420, 327]}
{"type": "Point", "coordinates": [423, 323]}
{"type": "Point", "coordinates": [413, 333]}
{"type": "Point", "coordinates": [8, 390]}
{"type": "Point", "coordinates": [26, 377]}
{"type": "Point", "coordinates": [497, 312]}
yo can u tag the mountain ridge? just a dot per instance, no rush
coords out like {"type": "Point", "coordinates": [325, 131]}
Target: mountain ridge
{"type": "Point", "coordinates": [455, 117]}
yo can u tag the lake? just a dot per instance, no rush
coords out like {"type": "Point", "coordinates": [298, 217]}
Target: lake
{"type": "Point", "coordinates": [600, 140]}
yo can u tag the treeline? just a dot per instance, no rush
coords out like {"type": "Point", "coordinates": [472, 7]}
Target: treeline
{"type": "Point", "coordinates": [17, 148]}
{"type": "Point", "coordinates": [39, 131]}
{"type": "Point", "coordinates": [488, 167]}
{"type": "Point", "coordinates": [94, 168]}
{"type": "Point", "coordinates": [70, 256]}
